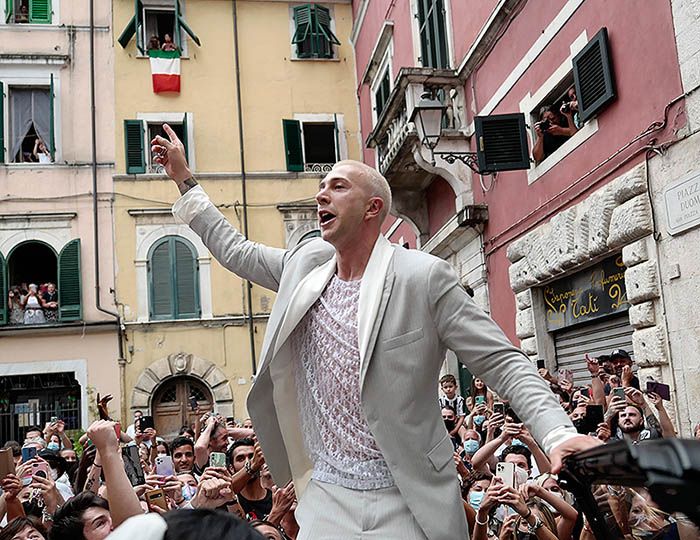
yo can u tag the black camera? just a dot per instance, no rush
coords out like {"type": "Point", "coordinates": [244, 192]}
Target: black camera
{"type": "Point", "coordinates": [544, 125]}
{"type": "Point", "coordinates": [565, 107]}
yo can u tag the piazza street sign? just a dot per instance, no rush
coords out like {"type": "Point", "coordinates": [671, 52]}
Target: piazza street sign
{"type": "Point", "coordinates": [682, 200]}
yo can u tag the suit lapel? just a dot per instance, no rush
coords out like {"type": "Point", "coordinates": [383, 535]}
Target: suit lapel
{"type": "Point", "coordinates": [305, 294]}
{"type": "Point", "coordinates": [372, 289]}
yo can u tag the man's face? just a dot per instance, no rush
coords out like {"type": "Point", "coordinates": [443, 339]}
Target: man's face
{"type": "Point", "coordinates": [240, 456]}
{"type": "Point", "coordinates": [480, 485]}
{"type": "Point", "coordinates": [34, 434]}
{"type": "Point", "coordinates": [618, 363]}
{"type": "Point", "coordinates": [631, 421]}
{"type": "Point", "coordinates": [449, 389]}
{"type": "Point", "coordinates": [97, 523]}
{"type": "Point", "coordinates": [183, 458]}
{"type": "Point", "coordinates": [518, 460]}
{"type": "Point", "coordinates": [471, 435]}
{"type": "Point", "coordinates": [343, 201]}
{"type": "Point", "coordinates": [219, 439]}
{"type": "Point", "coordinates": [447, 414]}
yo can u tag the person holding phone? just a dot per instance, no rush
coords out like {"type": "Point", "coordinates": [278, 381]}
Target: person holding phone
{"type": "Point", "coordinates": [355, 343]}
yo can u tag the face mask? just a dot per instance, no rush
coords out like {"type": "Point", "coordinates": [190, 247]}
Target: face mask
{"type": "Point", "coordinates": [580, 425]}
{"type": "Point", "coordinates": [188, 491]}
{"type": "Point", "coordinates": [517, 442]}
{"type": "Point", "coordinates": [53, 446]}
{"type": "Point", "coordinates": [471, 446]}
{"type": "Point", "coordinates": [479, 419]}
{"type": "Point", "coordinates": [475, 498]}
{"type": "Point", "coordinates": [54, 474]}
{"type": "Point", "coordinates": [449, 424]}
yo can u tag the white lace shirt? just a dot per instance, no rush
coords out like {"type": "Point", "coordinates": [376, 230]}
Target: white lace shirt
{"type": "Point", "coordinates": [335, 430]}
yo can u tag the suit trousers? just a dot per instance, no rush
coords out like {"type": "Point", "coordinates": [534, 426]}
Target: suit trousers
{"type": "Point", "coordinates": [332, 512]}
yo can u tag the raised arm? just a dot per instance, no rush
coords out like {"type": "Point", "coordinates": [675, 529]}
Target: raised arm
{"type": "Point", "coordinates": [249, 260]}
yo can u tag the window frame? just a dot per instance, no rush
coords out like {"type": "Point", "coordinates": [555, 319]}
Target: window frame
{"type": "Point", "coordinates": [54, 6]}
{"type": "Point", "coordinates": [174, 315]}
{"type": "Point", "coordinates": [181, 41]}
{"type": "Point", "coordinates": [49, 80]}
{"type": "Point", "coordinates": [449, 36]}
{"type": "Point", "coordinates": [341, 149]}
{"type": "Point", "coordinates": [385, 68]}
{"type": "Point", "coordinates": [530, 103]}
{"type": "Point", "coordinates": [292, 32]}
{"type": "Point", "coordinates": [186, 118]}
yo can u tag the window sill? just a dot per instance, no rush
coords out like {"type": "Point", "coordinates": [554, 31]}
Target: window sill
{"type": "Point", "coordinates": [295, 59]}
{"type": "Point", "coordinates": [582, 135]}
{"type": "Point", "coordinates": [146, 57]}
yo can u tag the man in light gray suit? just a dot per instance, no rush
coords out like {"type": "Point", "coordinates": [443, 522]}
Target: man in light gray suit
{"type": "Point", "coordinates": [344, 402]}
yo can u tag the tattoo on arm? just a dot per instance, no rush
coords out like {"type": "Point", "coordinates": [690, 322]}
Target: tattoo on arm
{"type": "Point", "coordinates": [653, 422]}
{"type": "Point", "coordinates": [187, 185]}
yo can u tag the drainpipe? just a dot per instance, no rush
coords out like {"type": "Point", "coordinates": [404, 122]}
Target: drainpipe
{"type": "Point", "coordinates": [95, 226]}
{"type": "Point", "coordinates": [249, 286]}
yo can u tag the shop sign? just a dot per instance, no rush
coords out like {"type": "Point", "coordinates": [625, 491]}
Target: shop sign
{"type": "Point", "coordinates": [587, 295]}
{"type": "Point", "coordinates": [683, 203]}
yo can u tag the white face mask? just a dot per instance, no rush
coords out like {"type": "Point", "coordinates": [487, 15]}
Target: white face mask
{"type": "Point", "coordinates": [54, 474]}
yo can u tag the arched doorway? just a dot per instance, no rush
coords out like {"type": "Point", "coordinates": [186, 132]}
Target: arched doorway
{"type": "Point", "coordinates": [171, 405]}
{"type": "Point", "coordinates": [32, 262]}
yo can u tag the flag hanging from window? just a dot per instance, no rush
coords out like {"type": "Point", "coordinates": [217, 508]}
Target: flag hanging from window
{"type": "Point", "coordinates": [165, 69]}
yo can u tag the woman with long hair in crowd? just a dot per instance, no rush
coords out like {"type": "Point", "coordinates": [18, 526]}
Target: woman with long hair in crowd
{"type": "Point", "coordinates": [480, 393]}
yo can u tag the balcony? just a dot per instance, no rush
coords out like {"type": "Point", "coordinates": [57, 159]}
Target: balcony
{"type": "Point", "coordinates": [405, 163]}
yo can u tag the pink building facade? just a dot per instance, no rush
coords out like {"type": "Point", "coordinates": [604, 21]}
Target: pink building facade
{"type": "Point", "coordinates": [588, 246]}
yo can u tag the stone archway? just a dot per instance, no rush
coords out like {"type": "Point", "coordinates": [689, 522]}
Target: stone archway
{"type": "Point", "coordinates": [178, 365]}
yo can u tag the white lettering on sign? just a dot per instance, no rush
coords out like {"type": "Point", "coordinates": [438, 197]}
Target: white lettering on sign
{"type": "Point", "coordinates": [683, 203]}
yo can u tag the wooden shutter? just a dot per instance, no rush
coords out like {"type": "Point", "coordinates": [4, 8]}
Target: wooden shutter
{"type": "Point", "coordinates": [40, 11]}
{"type": "Point", "coordinates": [52, 117]}
{"type": "Point", "coordinates": [133, 28]}
{"type": "Point", "coordinates": [593, 76]}
{"type": "Point", "coordinates": [180, 23]}
{"type": "Point", "coordinates": [2, 123]}
{"type": "Point", "coordinates": [3, 290]}
{"type": "Point", "coordinates": [69, 297]}
{"type": "Point", "coordinates": [186, 281]}
{"type": "Point", "coordinates": [323, 20]}
{"type": "Point", "coordinates": [9, 4]}
{"type": "Point", "coordinates": [292, 145]}
{"type": "Point", "coordinates": [184, 137]}
{"type": "Point", "coordinates": [302, 22]}
{"type": "Point", "coordinates": [501, 142]}
{"type": "Point", "coordinates": [134, 147]}
{"type": "Point", "coordinates": [160, 282]}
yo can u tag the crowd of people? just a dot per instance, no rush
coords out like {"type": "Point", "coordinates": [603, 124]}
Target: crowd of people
{"type": "Point", "coordinates": [524, 500]}
{"type": "Point", "coordinates": [212, 476]}
{"type": "Point", "coordinates": [33, 304]}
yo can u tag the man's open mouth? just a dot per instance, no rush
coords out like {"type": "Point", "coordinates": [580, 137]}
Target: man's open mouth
{"type": "Point", "coordinates": [325, 217]}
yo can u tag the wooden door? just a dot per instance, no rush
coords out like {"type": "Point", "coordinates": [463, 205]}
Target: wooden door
{"type": "Point", "coordinates": [171, 408]}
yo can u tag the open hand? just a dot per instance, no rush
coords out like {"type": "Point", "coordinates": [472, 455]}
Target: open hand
{"type": "Point", "coordinates": [568, 447]}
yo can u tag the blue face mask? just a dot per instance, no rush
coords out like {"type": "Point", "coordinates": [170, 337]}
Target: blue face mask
{"type": "Point", "coordinates": [517, 442]}
{"type": "Point", "coordinates": [471, 446]}
{"type": "Point", "coordinates": [188, 492]}
{"type": "Point", "coordinates": [475, 498]}
{"type": "Point", "coordinates": [479, 419]}
{"type": "Point", "coordinates": [53, 446]}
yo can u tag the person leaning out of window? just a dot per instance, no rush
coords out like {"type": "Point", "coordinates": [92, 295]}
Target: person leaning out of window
{"type": "Point", "coordinates": [556, 125]}
{"type": "Point", "coordinates": [40, 152]}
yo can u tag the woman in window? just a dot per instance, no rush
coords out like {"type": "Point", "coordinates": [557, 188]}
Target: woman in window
{"type": "Point", "coordinates": [168, 44]}
{"type": "Point", "coordinates": [50, 303]}
{"type": "Point", "coordinates": [14, 302]}
{"type": "Point", "coordinates": [40, 152]}
{"type": "Point", "coordinates": [33, 308]}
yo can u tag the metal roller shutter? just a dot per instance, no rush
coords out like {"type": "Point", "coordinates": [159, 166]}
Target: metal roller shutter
{"type": "Point", "coordinates": [596, 338]}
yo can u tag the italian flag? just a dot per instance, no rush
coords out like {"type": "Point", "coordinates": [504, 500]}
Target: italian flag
{"type": "Point", "coordinates": [165, 68]}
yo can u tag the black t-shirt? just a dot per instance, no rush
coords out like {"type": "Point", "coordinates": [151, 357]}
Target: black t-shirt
{"type": "Point", "coordinates": [552, 142]}
{"type": "Point", "coordinates": [256, 509]}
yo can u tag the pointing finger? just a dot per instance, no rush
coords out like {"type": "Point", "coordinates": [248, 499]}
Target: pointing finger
{"type": "Point", "coordinates": [162, 141]}
{"type": "Point", "coordinates": [169, 131]}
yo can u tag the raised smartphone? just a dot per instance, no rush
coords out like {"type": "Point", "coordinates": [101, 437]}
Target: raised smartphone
{"type": "Point", "coordinates": [506, 472]}
{"type": "Point", "coordinates": [156, 497]}
{"type": "Point", "coordinates": [217, 459]}
{"type": "Point", "coordinates": [164, 466]}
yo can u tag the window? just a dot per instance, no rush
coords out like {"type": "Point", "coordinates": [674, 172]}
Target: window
{"type": "Point", "coordinates": [153, 19]}
{"type": "Point", "coordinates": [310, 146]}
{"type": "Point", "coordinates": [35, 262]}
{"type": "Point", "coordinates": [433, 33]}
{"type": "Point", "coordinates": [554, 110]}
{"type": "Point", "coordinates": [381, 94]}
{"type": "Point", "coordinates": [173, 280]}
{"type": "Point", "coordinates": [30, 135]}
{"type": "Point", "coordinates": [313, 36]}
{"type": "Point", "coordinates": [28, 11]}
{"type": "Point", "coordinates": [138, 135]}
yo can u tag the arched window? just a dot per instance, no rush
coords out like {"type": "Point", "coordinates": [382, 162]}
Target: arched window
{"type": "Point", "coordinates": [173, 280]}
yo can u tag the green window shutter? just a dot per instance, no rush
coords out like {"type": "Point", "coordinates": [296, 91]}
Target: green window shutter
{"type": "Point", "coordinates": [9, 4]}
{"type": "Point", "coordinates": [433, 34]}
{"type": "Point", "coordinates": [323, 19]}
{"type": "Point", "coordinates": [40, 11]}
{"type": "Point", "coordinates": [594, 77]}
{"type": "Point", "coordinates": [186, 281]}
{"type": "Point", "coordinates": [128, 32]}
{"type": "Point", "coordinates": [292, 145]}
{"type": "Point", "coordinates": [69, 304]}
{"type": "Point", "coordinates": [3, 290]}
{"type": "Point", "coordinates": [52, 116]}
{"type": "Point", "coordinates": [160, 282]}
{"type": "Point", "coordinates": [134, 147]}
{"type": "Point", "coordinates": [2, 123]}
{"type": "Point", "coordinates": [302, 22]}
{"type": "Point", "coordinates": [184, 137]}
{"type": "Point", "coordinates": [133, 28]}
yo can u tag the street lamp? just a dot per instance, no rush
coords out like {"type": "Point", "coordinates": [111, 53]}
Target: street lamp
{"type": "Point", "coordinates": [427, 117]}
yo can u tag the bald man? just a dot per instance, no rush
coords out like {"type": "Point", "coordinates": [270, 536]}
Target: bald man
{"type": "Point", "coordinates": [344, 400]}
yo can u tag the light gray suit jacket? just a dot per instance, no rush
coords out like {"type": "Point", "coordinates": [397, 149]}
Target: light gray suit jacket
{"type": "Point", "coordinates": [412, 308]}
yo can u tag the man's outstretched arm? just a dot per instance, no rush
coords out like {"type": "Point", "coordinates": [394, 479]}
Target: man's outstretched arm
{"type": "Point", "coordinates": [249, 260]}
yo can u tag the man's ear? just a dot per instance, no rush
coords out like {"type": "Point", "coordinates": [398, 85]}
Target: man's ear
{"type": "Point", "coordinates": [374, 207]}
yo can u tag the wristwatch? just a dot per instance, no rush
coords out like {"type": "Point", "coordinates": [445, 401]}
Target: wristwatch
{"type": "Point", "coordinates": [532, 529]}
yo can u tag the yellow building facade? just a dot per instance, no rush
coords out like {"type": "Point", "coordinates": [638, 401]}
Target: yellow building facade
{"type": "Point", "coordinates": [188, 330]}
